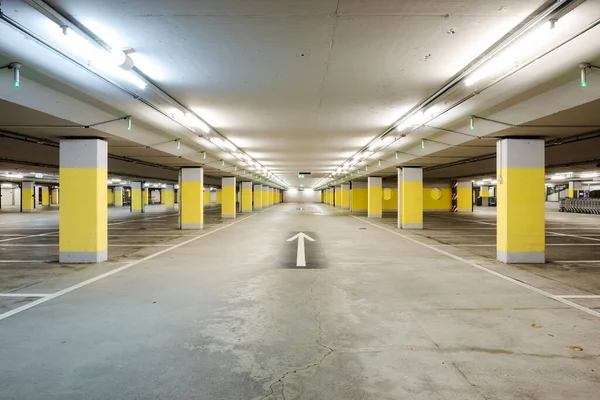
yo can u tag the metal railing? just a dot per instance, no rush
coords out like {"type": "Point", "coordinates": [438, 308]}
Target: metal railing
{"type": "Point", "coordinates": [583, 206]}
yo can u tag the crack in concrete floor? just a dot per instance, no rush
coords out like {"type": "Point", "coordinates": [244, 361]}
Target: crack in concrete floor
{"type": "Point", "coordinates": [318, 341]}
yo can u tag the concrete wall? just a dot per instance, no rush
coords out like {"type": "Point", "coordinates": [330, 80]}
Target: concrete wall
{"type": "Point", "coordinates": [305, 196]}
{"type": "Point", "coordinates": [11, 197]}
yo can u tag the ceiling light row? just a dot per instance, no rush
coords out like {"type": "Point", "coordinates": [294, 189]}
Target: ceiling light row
{"type": "Point", "coordinates": [117, 64]}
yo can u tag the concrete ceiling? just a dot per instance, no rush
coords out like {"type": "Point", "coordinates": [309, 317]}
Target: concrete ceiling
{"type": "Point", "coordinates": [301, 86]}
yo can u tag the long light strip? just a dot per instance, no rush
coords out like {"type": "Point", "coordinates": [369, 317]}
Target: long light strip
{"type": "Point", "coordinates": [109, 61]}
{"type": "Point", "coordinates": [483, 68]}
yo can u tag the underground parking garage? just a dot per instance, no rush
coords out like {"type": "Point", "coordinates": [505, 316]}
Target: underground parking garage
{"type": "Point", "coordinates": [323, 199]}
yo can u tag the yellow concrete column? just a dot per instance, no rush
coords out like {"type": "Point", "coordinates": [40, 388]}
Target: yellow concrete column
{"type": "Point", "coordinates": [246, 197]}
{"type": "Point", "coordinates": [45, 196]}
{"type": "Point", "coordinates": [375, 197]}
{"type": "Point", "coordinates": [338, 196]}
{"type": "Point", "coordinates": [219, 196]}
{"type": "Point", "coordinates": [258, 197]}
{"type": "Point", "coordinates": [28, 197]}
{"type": "Point", "coordinates": [191, 206]}
{"type": "Point", "coordinates": [411, 198]}
{"type": "Point", "coordinates": [360, 197]}
{"type": "Point", "coordinates": [162, 196]}
{"type": "Point", "coordinates": [265, 197]}
{"type": "Point", "coordinates": [521, 201]}
{"type": "Point", "coordinates": [118, 196]}
{"type": "Point", "coordinates": [55, 195]}
{"type": "Point", "coordinates": [110, 197]}
{"type": "Point", "coordinates": [137, 197]}
{"type": "Point", "coordinates": [574, 187]}
{"type": "Point", "coordinates": [229, 198]}
{"type": "Point", "coordinates": [345, 197]}
{"type": "Point", "coordinates": [83, 228]}
{"type": "Point", "coordinates": [146, 196]}
{"type": "Point", "coordinates": [465, 197]}
{"type": "Point", "coordinates": [169, 197]}
{"type": "Point", "coordinates": [484, 193]}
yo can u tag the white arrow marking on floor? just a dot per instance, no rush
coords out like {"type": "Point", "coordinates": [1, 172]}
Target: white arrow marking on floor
{"type": "Point", "coordinates": [301, 255]}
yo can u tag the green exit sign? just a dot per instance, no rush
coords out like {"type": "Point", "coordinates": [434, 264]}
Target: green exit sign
{"type": "Point", "coordinates": [301, 176]}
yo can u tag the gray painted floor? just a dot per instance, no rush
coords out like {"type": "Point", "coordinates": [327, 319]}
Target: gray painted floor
{"type": "Point", "coordinates": [372, 316]}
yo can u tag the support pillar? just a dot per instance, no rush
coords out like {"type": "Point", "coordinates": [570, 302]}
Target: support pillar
{"type": "Point", "coordinates": [162, 196]}
{"type": "Point", "coordinates": [169, 197]}
{"type": "Point", "coordinates": [258, 197]}
{"type": "Point", "coordinates": [54, 195]}
{"type": "Point", "coordinates": [265, 197]}
{"type": "Point", "coordinates": [83, 228]}
{"type": "Point", "coordinates": [146, 197]}
{"type": "Point", "coordinates": [574, 188]}
{"type": "Point", "coordinates": [465, 197]}
{"type": "Point", "coordinates": [411, 198]}
{"type": "Point", "coordinates": [45, 196]}
{"type": "Point", "coordinates": [137, 197]}
{"type": "Point", "coordinates": [375, 197]}
{"type": "Point", "coordinates": [28, 197]}
{"type": "Point", "coordinates": [118, 196]}
{"type": "Point", "coordinates": [229, 199]}
{"type": "Point", "coordinates": [191, 206]}
{"type": "Point", "coordinates": [246, 197]}
{"type": "Point", "coordinates": [484, 193]}
{"type": "Point", "coordinates": [345, 199]}
{"type": "Point", "coordinates": [219, 196]}
{"type": "Point", "coordinates": [360, 197]}
{"type": "Point", "coordinates": [521, 201]}
{"type": "Point", "coordinates": [110, 196]}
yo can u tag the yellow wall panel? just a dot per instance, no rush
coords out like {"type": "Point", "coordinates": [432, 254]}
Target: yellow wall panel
{"type": "Point", "coordinates": [443, 204]}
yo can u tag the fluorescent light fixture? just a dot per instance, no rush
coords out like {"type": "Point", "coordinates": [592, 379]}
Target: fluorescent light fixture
{"type": "Point", "coordinates": [217, 140]}
{"type": "Point", "coordinates": [558, 177]}
{"type": "Point", "coordinates": [229, 146]}
{"type": "Point", "coordinates": [510, 55]}
{"type": "Point", "coordinates": [589, 175]}
{"type": "Point", "coordinates": [7, 185]}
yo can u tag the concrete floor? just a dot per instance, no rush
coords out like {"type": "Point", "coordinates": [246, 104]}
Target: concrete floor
{"type": "Point", "coordinates": [225, 313]}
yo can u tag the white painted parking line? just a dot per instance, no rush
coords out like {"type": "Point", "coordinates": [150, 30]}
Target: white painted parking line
{"type": "Point", "coordinates": [115, 271]}
{"type": "Point", "coordinates": [56, 232]}
{"type": "Point", "coordinates": [579, 296]}
{"type": "Point", "coordinates": [489, 271]}
{"type": "Point", "coordinates": [578, 261]}
{"type": "Point", "coordinates": [23, 295]}
{"type": "Point", "coordinates": [463, 219]}
{"type": "Point", "coordinates": [25, 237]}
{"type": "Point", "coordinates": [24, 261]}
{"type": "Point", "coordinates": [575, 236]}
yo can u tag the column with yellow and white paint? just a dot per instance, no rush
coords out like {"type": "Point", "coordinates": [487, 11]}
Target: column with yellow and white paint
{"type": "Point", "coordinates": [521, 201]}
{"type": "Point", "coordinates": [83, 228]}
